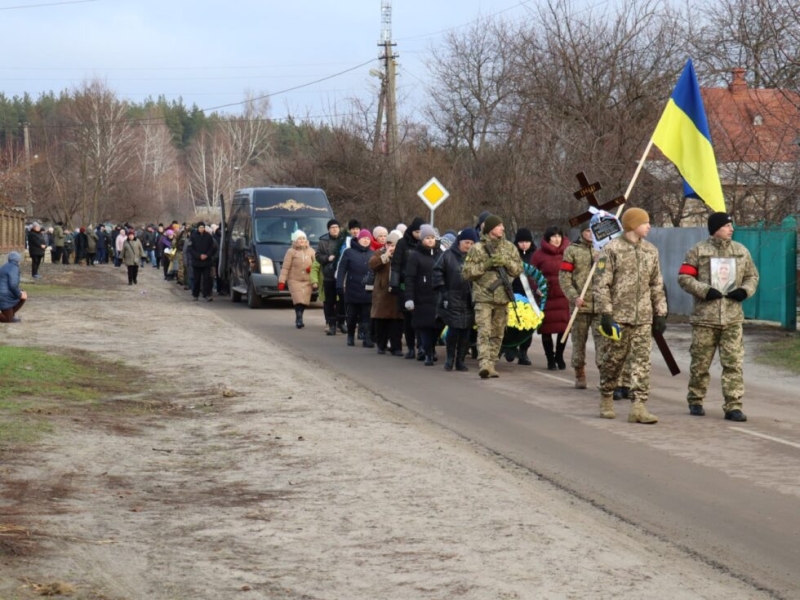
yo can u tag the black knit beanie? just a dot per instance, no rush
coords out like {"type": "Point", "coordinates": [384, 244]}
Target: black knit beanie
{"type": "Point", "coordinates": [718, 220]}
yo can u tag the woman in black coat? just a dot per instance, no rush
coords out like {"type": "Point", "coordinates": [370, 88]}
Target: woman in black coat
{"type": "Point", "coordinates": [353, 266]}
{"type": "Point", "coordinates": [455, 299]}
{"type": "Point", "coordinates": [420, 297]}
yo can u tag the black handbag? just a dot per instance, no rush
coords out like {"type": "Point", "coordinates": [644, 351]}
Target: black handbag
{"type": "Point", "coordinates": [369, 280]}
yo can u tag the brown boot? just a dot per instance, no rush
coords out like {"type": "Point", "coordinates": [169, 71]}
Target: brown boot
{"type": "Point", "coordinates": [580, 378]}
{"type": "Point", "coordinates": [492, 372]}
{"type": "Point", "coordinates": [639, 414]}
{"type": "Point", "coordinates": [607, 407]}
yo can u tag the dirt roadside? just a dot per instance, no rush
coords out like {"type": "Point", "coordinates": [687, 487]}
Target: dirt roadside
{"type": "Point", "coordinates": [254, 474]}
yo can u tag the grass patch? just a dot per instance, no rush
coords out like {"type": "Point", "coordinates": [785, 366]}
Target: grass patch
{"type": "Point", "coordinates": [783, 353]}
{"type": "Point", "coordinates": [49, 290]}
{"type": "Point", "coordinates": [37, 383]}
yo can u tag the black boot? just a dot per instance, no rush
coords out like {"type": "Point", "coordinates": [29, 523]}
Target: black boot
{"type": "Point", "coordinates": [450, 343]}
{"type": "Point", "coordinates": [331, 328]}
{"type": "Point", "coordinates": [523, 357]}
{"type": "Point", "coordinates": [462, 347]}
{"type": "Point", "coordinates": [560, 353]}
{"type": "Point", "coordinates": [547, 344]}
{"type": "Point", "coordinates": [298, 312]}
{"type": "Point", "coordinates": [367, 339]}
{"type": "Point", "coordinates": [351, 339]}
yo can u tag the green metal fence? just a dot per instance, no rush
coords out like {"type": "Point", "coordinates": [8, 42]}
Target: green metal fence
{"type": "Point", "coordinates": [774, 250]}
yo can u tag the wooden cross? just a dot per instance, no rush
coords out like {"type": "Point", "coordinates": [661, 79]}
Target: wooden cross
{"type": "Point", "coordinates": [587, 191]}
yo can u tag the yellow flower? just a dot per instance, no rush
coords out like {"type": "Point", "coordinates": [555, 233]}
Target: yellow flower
{"type": "Point", "coordinates": [527, 320]}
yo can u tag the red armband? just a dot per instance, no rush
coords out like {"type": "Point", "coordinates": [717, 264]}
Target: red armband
{"type": "Point", "coordinates": [567, 266]}
{"type": "Point", "coordinates": [688, 270]}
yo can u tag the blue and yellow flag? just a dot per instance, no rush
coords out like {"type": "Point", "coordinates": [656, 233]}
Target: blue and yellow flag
{"type": "Point", "coordinates": [682, 135]}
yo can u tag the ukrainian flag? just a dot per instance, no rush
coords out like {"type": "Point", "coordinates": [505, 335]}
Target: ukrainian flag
{"type": "Point", "coordinates": [682, 135]}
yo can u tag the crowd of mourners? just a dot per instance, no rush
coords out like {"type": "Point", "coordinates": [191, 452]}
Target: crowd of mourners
{"type": "Point", "coordinates": [407, 291]}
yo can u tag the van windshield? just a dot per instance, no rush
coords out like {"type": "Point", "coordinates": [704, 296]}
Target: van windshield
{"type": "Point", "coordinates": [278, 230]}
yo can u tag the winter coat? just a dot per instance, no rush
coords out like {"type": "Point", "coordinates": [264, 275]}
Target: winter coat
{"type": "Point", "coordinates": [575, 268]}
{"type": "Point", "coordinates": [81, 242]}
{"type": "Point", "coordinates": [548, 259]}
{"type": "Point", "coordinates": [91, 242]}
{"type": "Point", "coordinates": [352, 269]}
{"type": "Point", "coordinates": [10, 293]}
{"type": "Point", "coordinates": [419, 285]}
{"type": "Point", "coordinates": [628, 285]}
{"type": "Point", "coordinates": [384, 304]}
{"type": "Point", "coordinates": [35, 242]}
{"type": "Point", "coordinates": [316, 277]}
{"type": "Point", "coordinates": [132, 251]}
{"type": "Point", "coordinates": [296, 273]}
{"type": "Point", "coordinates": [58, 236]}
{"type": "Point", "coordinates": [695, 277]}
{"type": "Point", "coordinates": [405, 244]}
{"type": "Point", "coordinates": [120, 240]}
{"type": "Point", "coordinates": [455, 294]}
{"type": "Point", "coordinates": [486, 286]}
{"type": "Point", "coordinates": [329, 247]}
{"type": "Point", "coordinates": [202, 244]}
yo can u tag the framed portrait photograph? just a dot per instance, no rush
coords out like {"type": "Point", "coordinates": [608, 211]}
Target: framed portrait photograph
{"type": "Point", "coordinates": [723, 274]}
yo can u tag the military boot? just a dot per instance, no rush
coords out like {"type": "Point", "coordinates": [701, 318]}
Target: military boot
{"type": "Point", "coordinates": [580, 378]}
{"type": "Point", "coordinates": [607, 407]}
{"type": "Point", "coordinates": [331, 328]}
{"type": "Point", "coordinates": [492, 372]}
{"type": "Point", "coordinates": [639, 414]}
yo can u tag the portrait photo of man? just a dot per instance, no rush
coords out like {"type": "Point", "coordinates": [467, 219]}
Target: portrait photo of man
{"type": "Point", "coordinates": [723, 274]}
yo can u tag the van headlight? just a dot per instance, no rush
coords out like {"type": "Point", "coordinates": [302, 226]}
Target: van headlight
{"type": "Point", "coordinates": [267, 266]}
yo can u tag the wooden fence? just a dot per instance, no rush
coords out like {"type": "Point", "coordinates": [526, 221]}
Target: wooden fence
{"type": "Point", "coordinates": [12, 230]}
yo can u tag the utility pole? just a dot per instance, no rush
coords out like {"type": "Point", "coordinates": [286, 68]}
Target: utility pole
{"type": "Point", "coordinates": [28, 187]}
{"type": "Point", "coordinates": [388, 99]}
{"type": "Point", "coordinates": [387, 104]}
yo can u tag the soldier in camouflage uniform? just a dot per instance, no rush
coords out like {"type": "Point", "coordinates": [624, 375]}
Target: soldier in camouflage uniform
{"type": "Point", "coordinates": [575, 268]}
{"type": "Point", "coordinates": [716, 319]}
{"type": "Point", "coordinates": [629, 290]}
{"type": "Point", "coordinates": [488, 293]}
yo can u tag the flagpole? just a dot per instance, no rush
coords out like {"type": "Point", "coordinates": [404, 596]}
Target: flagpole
{"type": "Point", "coordinates": [619, 211]}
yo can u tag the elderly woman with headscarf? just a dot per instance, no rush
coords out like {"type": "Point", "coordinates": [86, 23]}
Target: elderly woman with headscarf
{"type": "Point", "coordinates": [296, 274]}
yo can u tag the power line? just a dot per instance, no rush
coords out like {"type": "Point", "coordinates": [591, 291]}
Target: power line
{"type": "Point", "coordinates": [48, 4]}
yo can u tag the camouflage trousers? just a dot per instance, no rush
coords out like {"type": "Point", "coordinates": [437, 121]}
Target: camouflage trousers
{"type": "Point", "coordinates": [705, 341]}
{"type": "Point", "coordinates": [630, 354]}
{"type": "Point", "coordinates": [490, 320]}
{"type": "Point", "coordinates": [584, 322]}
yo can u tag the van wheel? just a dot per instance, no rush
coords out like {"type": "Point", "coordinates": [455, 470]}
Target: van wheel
{"type": "Point", "coordinates": [253, 299]}
{"type": "Point", "coordinates": [235, 296]}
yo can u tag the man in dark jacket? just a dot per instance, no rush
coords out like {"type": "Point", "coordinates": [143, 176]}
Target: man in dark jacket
{"type": "Point", "coordinates": [328, 254]}
{"type": "Point", "coordinates": [36, 247]}
{"type": "Point", "coordinates": [202, 249]}
{"type": "Point", "coordinates": [409, 241]}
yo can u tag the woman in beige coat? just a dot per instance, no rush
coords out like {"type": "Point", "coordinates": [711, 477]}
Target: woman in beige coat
{"type": "Point", "coordinates": [132, 252]}
{"type": "Point", "coordinates": [296, 273]}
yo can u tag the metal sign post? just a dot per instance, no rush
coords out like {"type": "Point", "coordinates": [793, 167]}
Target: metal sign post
{"type": "Point", "coordinates": [433, 194]}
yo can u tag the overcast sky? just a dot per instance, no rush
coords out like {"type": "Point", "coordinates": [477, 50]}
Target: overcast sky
{"type": "Point", "coordinates": [210, 52]}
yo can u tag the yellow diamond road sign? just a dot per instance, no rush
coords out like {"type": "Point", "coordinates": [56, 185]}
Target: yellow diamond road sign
{"type": "Point", "coordinates": [433, 193]}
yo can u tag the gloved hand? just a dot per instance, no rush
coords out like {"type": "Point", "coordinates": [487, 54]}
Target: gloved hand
{"type": "Point", "coordinates": [607, 325]}
{"type": "Point", "coordinates": [409, 305]}
{"type": "Point", "coordinates": [739, 294]}
{"type": "Point", "coordinates": [713, 294]}
{"type": "Point", "coordinates": [496, 261]}
{"type": "Point", "coordinates": [660, 324]}
{"type": "Point", "coordinates": [281, 286]}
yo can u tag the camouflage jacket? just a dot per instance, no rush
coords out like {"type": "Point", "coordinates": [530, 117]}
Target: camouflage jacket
{"type": "Point", "coordinates": [575, 268]}
{"type": "Point", "coordinates": [628, 284]}
{"type": "Point", "coordinates": [486, 283]}
{"type": "Point", "coordinates": [695, 277]}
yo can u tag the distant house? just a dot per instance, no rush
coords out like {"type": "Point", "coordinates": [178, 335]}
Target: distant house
{"type": "Point", "coordinates": [756, 138]}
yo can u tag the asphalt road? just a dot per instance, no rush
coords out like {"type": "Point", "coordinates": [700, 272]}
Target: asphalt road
{"type": "Point", "coordinates": [726, 493]}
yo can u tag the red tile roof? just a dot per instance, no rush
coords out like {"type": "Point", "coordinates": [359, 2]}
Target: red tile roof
{"type": "Point", "coordinates": [752, 125]}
